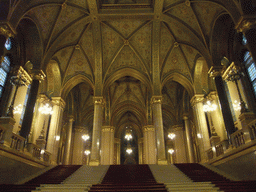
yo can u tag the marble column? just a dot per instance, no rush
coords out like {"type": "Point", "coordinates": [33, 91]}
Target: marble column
{"type": "Point", "coordinates": [67, 155]}
{"type": "Point", "coordinates": [117, 151]}
{"type": "Point", "coordinates": [149, 144]}
{"type": "Point", "coordinates": [158, 124]}
{"type": "Point", "coordinates": [107, 145]}
{"type": "Point", "coordinates": [39, 119]}
{"type": "Point", "coordinates": [37, 76]}
{"type": "Point", "coordinates": [188, 133]}
{"type": "Point", "coordinates": [140, 146]}
{"type": "Point", "coordinates": [247, 25]}
{"type": "Point", "coordinates": [179, 147]}
{"type": "Point", "coordinates": [215, 72]}
{"type": "Point", "coordinates": [54, 129]}
{"type": "Point", "coordinates": [201, 124]}
{"type": "Point", "coordinates": [96, 135]}
{"type": "Point", "coordinates": [78, 146]}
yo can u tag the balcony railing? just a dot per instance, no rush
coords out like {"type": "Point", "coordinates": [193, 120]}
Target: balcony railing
{"type": "Point", "coordinates": [2, 130]}
{"type": "Point", "coordinates": [237, 138]}
{"type": "Point", "coordinates": [252, 129]}
{"type": "Point", "coordinates": [17, 142]}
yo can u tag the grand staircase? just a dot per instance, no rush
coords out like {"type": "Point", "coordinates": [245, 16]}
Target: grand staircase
{"type": "Point", "coordinates": [199, 173]}
{"type": "Point", "coordinates": [126, 178]}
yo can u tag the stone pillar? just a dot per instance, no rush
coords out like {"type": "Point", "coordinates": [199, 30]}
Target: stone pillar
{"type": "Point", "coordinates": [67, 155]}
{"type": "Point", "coordinates": [247, 25]}
{"type": "Point", "coordinates": [158, 124]}
{"type": "Point", "coordinates": [117, 149]}
{"type": "Point", "coordinates": [149, 144]}
{"type": "Point", "coordinates": [179, 140]}
{"type": "Point", "coordinates": [37, 76]}
{"type": "Point", "coordinates": [215, 72]}
{"type": "Point", "coordinates": [140, 146]}
{"type": "Point", "coordinates": [39, 119]}
{"type": "Point", "coordinates": [54, 129]}
{"type": "Point", "coordinates": [201, 124]}
{"type": "Point", "coordinates": [188, 133]}
{"type": "Point", "coordinates": [107, 145]}
{"type": "Point", "coordinates": [97, 123]}
{"type": "Point", "coordinates": [78, 147]}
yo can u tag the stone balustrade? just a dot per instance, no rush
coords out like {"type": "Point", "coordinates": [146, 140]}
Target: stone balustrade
{"type": "Point", "coordinates": [252, 129]}
{"type": "Point", "coordinates": [17, 142]}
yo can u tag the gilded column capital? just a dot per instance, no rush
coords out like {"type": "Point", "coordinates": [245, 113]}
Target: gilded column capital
{"type": "Point", "coordinates": [23, 74]}
{"type": "Point", "coordinates": [156, 99]}
{"type": "Point", "coordinates": [42, 98]}
{"type": "Point", "coordinates": [58, 101]}
{"type": "Point", "coordinates": [71, 118]}
{"type": "Point", "coordinates": [245, 23]}
{"type": "Point", "coordinates": [215, 71]}
{"type": "Point", "coordinates": [7, 30]}
{"type": "Point", "coordinates": [79, 129]}
{"type": "Point", "coordinates": [185, 117]}
{"type": "Point", "coordinates": [212, 96]}
{"type": "Point", "coordinates": [108, 129]}
{"type": "Point", "coordinates": [98, 100]}
{"type": "Point", "coordinates": [37, 74]}
{"type": "Point", "coordinates": [149, 128]}
{"type": "Point", "coordinates": [198, 98]}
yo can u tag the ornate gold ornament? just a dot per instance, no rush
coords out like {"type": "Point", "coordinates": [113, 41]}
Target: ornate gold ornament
{"type": "Point", "coordinates": [7, 30]}
{"type": "Point", "coordinates": [156, 100]}
{"type": "Point", "coordinates": [246, 23]}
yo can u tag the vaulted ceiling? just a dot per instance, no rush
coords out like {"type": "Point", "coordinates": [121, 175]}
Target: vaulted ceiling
{"type": "Point", "coordinates": [126, 42]}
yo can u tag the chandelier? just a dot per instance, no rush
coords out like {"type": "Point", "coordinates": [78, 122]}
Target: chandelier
{"type": "Point", "coordinates": [171, 151]}
{"type": "Point", "coordinates": [209, 106]}
{"type": "Point", "coordinates": [129, 149]}
{"type": "Point", "coordinates": [46, 109]}
{"type": "Point", "coordinates": [87, 152]}
{"type": "Point", "coordinates": [171, 136]}
{"type": "Point", "coordinates": [17, 109]}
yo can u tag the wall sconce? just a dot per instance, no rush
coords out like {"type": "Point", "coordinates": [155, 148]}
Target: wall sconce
{"type": "Point", "coordinates": [87, 152]}
{"type": "Point", "coordinates": [171, 136]}
{"type": "Point", "coordinates": [171, 151]}
{"type": "Point", "coordinates": [85, 137]}
{"type": "Point", "coordinates": [57, 137]}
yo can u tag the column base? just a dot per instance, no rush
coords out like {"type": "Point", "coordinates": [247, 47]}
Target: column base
{"type": "Point", "coordinates": [162, 162]}
{"type": "Point", "coordinates": [94, 163]}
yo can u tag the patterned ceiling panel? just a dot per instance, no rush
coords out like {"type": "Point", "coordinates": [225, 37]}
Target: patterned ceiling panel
{"type": "Point", "coordinates": [176, 62]}
{"type": "Point", "coordinates": [166, 42]}
{"type": "Point", "coordinates": [80, 3]}
{"type": "Point", "coordinates": [46, 16]}
{"type": "Point", "coordinates": [72, 36]}
{"type": "Point", "coordinates": [126, 58]}
{"type": "Point", "coordinates": [78, 65]}
{"type": "Point", "coordinates": [86, 43]}
{"type": "Point", "coordinates": [111, 43]}
{"type": "Point", "coordinates": [186, 14]}
{"type": "Point", "coordinates": [67, 15]}
{"type": "Point", "coordinates": [126, 26]}
{"type": "Point", "coordinates": [172, 2]}
{"type": "Point", "coordinates": [141, 41]}
{"type": "Point", "coordinates": [63, 58]}
{"type": "Point", "coordinates": [206, 13]}
{"type": "Point", "coordinates": [190, 54]}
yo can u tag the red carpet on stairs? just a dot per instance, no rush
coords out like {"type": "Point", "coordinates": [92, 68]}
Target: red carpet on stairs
{"type": "Point", "coordinates": [53, 176]}
{"type": "Point", "coordinates": [199, 173]}
{"type": "Point", "coordinates": [128, 178]}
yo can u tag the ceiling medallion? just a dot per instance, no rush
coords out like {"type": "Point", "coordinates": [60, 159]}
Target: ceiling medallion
{"type": "Point", "coordinates": [176, 44]}
{"type": "Point", "coordinates": [187, 3]}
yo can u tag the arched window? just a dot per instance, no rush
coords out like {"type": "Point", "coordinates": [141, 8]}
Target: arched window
{"type": "Point", "coordinates": [4, 70]}
{"type": "Point", "coordinates": [251, 69]}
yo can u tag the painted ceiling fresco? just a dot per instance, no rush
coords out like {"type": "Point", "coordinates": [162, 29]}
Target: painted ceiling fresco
{"type": "Point", "coordinates": [68, 38]}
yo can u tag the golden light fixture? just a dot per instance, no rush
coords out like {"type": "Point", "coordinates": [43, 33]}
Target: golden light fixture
{"type": "Point", "coordinates": [171, 151]}
{"type": "Point", "coordinates": [46, 109]}
{"type": "Point", "coordinates": [18, 109]}
{"type": "Point", "coordinates": [85, 137]}
{"type": "Point", "coordinates": [209, 106]}
{"type": "Point", "coordinates": [171, 136]}
{"type": "Point", "coordinates": [87, 152]}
